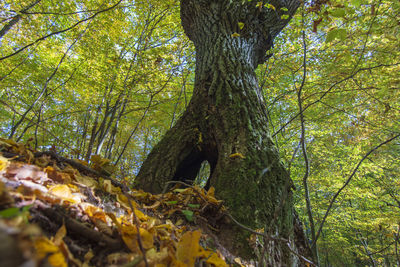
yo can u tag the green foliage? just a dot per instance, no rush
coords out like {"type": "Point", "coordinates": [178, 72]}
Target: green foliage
{"type": "Point", "coordinates": [111, 77]}
{"type": "Point", "coordinates": [188, 215]}
{"type": "Point", "coordinates": [351, 98]}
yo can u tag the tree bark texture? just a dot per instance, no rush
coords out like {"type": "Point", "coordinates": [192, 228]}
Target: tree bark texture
{"type": "Point", "coordinates": [225, 122]}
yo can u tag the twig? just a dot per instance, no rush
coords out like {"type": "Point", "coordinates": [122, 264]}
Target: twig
{"type": "Point", "coordinates": [268, 237]}
{"type": "Point", "coordinates": [139, 238]}
{"type": "Point", "coordinates": [300, 256]}
{"type": "Point", "coordinates": [346, 183]}
{"type": "Point", "coordinates": [330, 89]}
{"type": "Point", "coordinates": [61, 31]}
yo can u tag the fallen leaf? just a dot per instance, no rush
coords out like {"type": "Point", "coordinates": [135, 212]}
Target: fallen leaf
{"type": "Point", "coordinates": [129, 235]}
{"type": "Point", "coordinates": [3, 163]}
{"type": "Point", "coordinates": [59, 177]}
{"type": "Point", "coordinates": [63, 192]}
{"type": "Point", "coordinates": [213, 258]}
{"type": "Point", "coordinates": [188, 248]}
{"type": "Point", "coordinates": [61, 233]}
{"type": "Point", "coordinates": [47, 249]}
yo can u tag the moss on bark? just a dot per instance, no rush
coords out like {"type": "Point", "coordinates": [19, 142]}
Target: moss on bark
{"type": "Point", "coordinates": [227, 110]}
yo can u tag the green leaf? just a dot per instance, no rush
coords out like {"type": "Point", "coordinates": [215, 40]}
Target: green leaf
{"type": "Point", "coordinates": [356, 3]}
{"type": "Point", "coordinates": [336, 34]}
{"type": "Point", "coordinates": [270, 6]}
{"type": "Point", "coordinates": [284, 9]}
{"type": "Point", "coordinates": [171, 202]}
{"type": "Point", "coordinates": [188, 214]}
{"type": "Point", "coordinates": [338, 13]}
{"type": "Point", "coordinates": [194, 206]}
{"type": "Point", "coordinates": [10, 212]}
{"type": "Point", "coordinates": [285, 16]}
{"type": "Point", "coordinates": [342, 34]}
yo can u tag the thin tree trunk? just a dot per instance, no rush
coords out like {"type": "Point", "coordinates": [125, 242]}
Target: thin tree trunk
{"type": "Point", "coordinates": [16, 19]}
{"type": "Point", "coordinates": [134, 131]}
{"type": "Point", "coordinates": [93, 134]}
{"type": "Point", "coordinates": [114, 131]}
{"type": "Point", "coordinates": [364, 242]}
{"type": "Point", "coordinates": [314, 248]}
{"type": "Point", "coordinates": [43, 91]}
{"type": "Point", "coordinates": [82, 144]}
{"type": "Point", "coordinates": [396, 244]}
{"type": "Point", "coordinates": [106, 130]}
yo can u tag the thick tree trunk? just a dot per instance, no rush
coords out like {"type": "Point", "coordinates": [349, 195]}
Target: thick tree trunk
{"type": "Point", "coordinates": [225, 122]}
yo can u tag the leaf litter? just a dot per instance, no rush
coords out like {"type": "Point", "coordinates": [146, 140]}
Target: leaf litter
{"type": "Point", "coordinates": [53, 213]}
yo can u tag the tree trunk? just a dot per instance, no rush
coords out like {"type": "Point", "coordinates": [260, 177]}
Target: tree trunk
{"type": "Point", "coordinates": [225, 122]}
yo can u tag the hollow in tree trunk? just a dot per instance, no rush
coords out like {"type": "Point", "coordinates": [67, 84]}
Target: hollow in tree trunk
{"type": "Point", "coordinates": [225, 122]}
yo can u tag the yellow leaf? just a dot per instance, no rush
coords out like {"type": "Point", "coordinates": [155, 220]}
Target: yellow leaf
{"type": "Point", "coordinates": [235, 34]}
{"type": "Point", "coordinates": [188, 248]}
{"type": "Point", "coordinates": [86, 180]}
{"type": "Point", "coordinates": [270, 6]}
{"type": "Point", "coordinates": [241, 25]}
{"type": "Point", "coordinates": [211, 192]}
{"type": "Point", "coordinates": [98, 161]}
{"type": "Point", "coordinates": [236, 155]}
{"type": "Point", "coordinates": [239, 261]}
{"type": "Point", "coordinates": [61, 233]}
{"type": "Point", "coordinates": [154, 206]}
{"type": "Point", "coordinates": [95, 213]}
{"type": "Point", "coordinates": [210, 196]}
{"type": "Point", "coordinates": [213, 258]}
{"type": "Point", "coordinates": [88, 256]}
{"type": "Point", "coordinates": [115, 220]}
{"type": "Point", "coordinates": [3, 163]}
{"type": "Point", "coordinates": [62, 191]}
{"type": "Point", "coordinates": [179, 264]}
{"type": "Point", "coordinates": [259, 4]}
{"type": "Point", "coordinates": [124, 201]}
{"type": "Point", "coordinates": [47, 249]}
{"type": "Point", "coordinates": [157, 258]}
{"type": "Point", "coordinates": [129, 235]}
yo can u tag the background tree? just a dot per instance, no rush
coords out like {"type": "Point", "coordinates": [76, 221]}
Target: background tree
{"type": "Point", "coordinates": [134, 59]}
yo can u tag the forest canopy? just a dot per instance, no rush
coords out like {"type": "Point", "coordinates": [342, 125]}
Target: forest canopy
{"type": "Point", "coordinates": [106, 79]}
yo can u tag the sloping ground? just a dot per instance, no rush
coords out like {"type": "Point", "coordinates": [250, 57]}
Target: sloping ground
{"type": "Point", "coordinates": [59, 212]}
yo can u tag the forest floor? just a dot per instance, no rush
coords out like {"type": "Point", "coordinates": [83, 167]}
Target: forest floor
{"type": "Point", "coordinates": [56, 211]}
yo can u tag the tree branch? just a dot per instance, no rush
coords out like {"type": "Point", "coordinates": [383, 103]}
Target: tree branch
{"type": "Point", "coordinates": [61, 31]}
{"type": "Point", "coordinates": [347, 182]}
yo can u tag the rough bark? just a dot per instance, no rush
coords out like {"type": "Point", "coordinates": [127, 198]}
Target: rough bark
{"type": "Point", "coordinates": [225, 122]}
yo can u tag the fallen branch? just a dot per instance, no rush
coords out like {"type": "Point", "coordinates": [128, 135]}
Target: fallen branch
{"type": "Point", "coordinates": [81, 229]}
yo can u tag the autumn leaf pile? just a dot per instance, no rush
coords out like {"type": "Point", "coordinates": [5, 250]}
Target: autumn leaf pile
{"type": "Point", "coordinates": [52, 213]}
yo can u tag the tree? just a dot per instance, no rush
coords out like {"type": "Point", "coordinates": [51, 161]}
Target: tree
{"type": "Point", "coordinates": [111, 77]}
{"type": "Point", "coordinates": [225, 122]}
